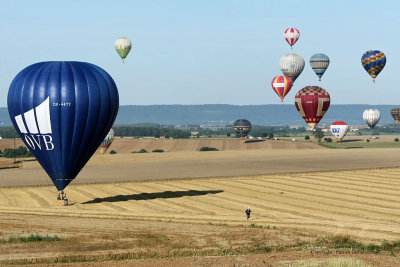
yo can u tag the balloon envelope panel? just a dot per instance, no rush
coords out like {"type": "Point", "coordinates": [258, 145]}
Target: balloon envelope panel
{"type": "Point", "coordinates": [281, 85]}
{"type": "Point", "coordinates": [339, 129]}
{"type": "Point", "coordinates": [242, 127]}
{"type": "Point", "coordinates": [123, 46]}
{"type": "Point", "coordinates": [319, 63]}
{"type": "Point", "coordinates": [312, 102]}
{"type": "Point", "coordinates": [371, 117]}
{"type": "Point", "coordinates": [62, 111]}
{"type": "Point", "coordinates": [291, 65]}
{"type": "Point", "coordinates": [291, 35]}
{"type": "Point", "coordinates": [107, 142]}
{"type": "Point", "coordinates": [395, 112]}
{"type": "Point", "coordinates": [373, 62]}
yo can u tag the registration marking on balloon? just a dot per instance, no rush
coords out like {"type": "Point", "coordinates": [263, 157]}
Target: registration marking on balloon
{"type": "Point", "coordinates": [62, 104]}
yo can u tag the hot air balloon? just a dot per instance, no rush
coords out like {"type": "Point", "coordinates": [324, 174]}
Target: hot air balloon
{"type": "Point", "coordinates": [242, 127]}
{"type": "Point", "coordinates": [395, 112]}
{"type": "Point", "coordinates": [373, 62]}
{"type": "Point", "coordinates": [312, 102]}
{"type": "Point", "coordinates": [291, 35]}
{"type": "Point", "coordinates": [291, 65]}
{"type": "Point", "coordinates": [339, 129]}
{"type": "Point", "coordinates": [123, 46]}
{"type": "Point", "coordinates": [319, 63]}
{"type": "Point", "coordinates": [281, 85]}
{"type": "Point", "coordinates": [63, 110]}
{"type": "Point", "coordinates": [371, 117]}
{"type": "Point", "coordinates": [107, 142]}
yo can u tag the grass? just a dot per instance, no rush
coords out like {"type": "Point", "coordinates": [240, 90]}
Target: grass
{"type": "Point", "coordinates": [159, 246]}
{"type": "Point", "coordinates": [360, 144]}
{"type": "Point", "coordinates": [253, 225]}
{"type": "Point", "coordinates": [31, 238]}
{"type": "Point", "coordinates": [333, 262]}
{"type": "Point", "coordinates": [158, 150]}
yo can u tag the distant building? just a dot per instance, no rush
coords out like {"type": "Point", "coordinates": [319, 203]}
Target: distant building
{"type": "Point", "coordinates": [194, 134]}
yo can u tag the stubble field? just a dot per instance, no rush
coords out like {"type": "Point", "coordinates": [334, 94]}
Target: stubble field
{"type": "Point", "coordinates": [299, 198]}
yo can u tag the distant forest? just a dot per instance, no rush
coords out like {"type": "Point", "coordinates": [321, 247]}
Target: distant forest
{"type": "Point", "coordinates": [221, 115]}
{"type": "Point", "coordinates": [156, 130]}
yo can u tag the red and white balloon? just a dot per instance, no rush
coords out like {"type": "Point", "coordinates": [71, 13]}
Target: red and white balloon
{"type": "Point", "coordinates": [291, 35]}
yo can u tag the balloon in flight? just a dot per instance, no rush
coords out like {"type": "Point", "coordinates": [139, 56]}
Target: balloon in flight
{"type": "Point", "coordinates": [339, 129]}
{"type": "Point", "coordinates": [123, 46]}
{"type": "Point", "coordinates": [371, 117]}
{"type": "Point", "coordinates": [373, 62]}
{"type": "Point", "coordinates": [291, 36]}
{"type": "Point", "coordinates": [242, 127]}
{"type": "Point", "coordinates": [291, 65]}
{"type": "Point", "coordinates": [281, 85]}
{"type": "Point", "coordinates": [319, 63]}
{"type": "Point", "coordinates": [107, 142]}
{"type": "Point", "coordinates": [62, 110]}
{"type": "Point", "coordinates": [395, 112]}
{"type": "Point", "coordinates": [312, 102]}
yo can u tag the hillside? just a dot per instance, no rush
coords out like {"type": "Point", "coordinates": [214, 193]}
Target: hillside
{"type": "Point", "coordinates": [220, 114]}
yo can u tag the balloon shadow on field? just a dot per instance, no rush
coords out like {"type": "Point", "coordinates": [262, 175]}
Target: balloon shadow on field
{"type": "Point", "coordinates": [148, 196]}
{"type": "Point", "coordinates": [254, 141]}
{"type": "Point", "coordinates": [350, 140]}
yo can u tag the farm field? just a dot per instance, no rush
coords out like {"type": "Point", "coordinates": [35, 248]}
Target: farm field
{"type": "Point", "coordinates": [186, 207]}
{"type": "Point", "coordinates": [202, 215]}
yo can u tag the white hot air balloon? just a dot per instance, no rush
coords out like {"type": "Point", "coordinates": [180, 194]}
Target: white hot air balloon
{"type": "Point", "coordinates": [339, 129]}
{"type": "Point", "coordinates": [291, 65]}
{"type": "Point", "coordinates": [371, 117]}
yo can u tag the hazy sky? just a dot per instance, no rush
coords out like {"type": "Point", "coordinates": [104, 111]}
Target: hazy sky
{"type": "Point", "coordinates": [207, 52]}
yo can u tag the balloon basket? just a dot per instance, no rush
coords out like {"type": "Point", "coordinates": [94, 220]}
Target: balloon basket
{"type": "Point", "coordinates": [62, 199]}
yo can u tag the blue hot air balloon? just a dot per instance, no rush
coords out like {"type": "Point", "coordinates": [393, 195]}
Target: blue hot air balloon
{"type": "Point", "coordinates": [63, 111]}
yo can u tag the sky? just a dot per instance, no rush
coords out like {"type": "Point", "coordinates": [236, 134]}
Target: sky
{"type": "Point", "coordinates": [207, 51]}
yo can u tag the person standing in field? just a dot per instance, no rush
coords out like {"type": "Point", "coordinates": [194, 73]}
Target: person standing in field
{"type": "Point", "coordinates": [248, 211]}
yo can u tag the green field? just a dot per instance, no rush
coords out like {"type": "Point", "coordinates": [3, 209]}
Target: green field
{"type": "Point", "coordinates": [360, 143]}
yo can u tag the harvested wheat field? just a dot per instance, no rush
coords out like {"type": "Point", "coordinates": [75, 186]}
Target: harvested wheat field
{"type": "Point", "coordinates": [203, 216]}
{"type": "Point", "coordinates": [161, 209]}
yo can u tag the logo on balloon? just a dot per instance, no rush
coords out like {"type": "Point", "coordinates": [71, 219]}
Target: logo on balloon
{"type": "Point", "coordinates": [335, 130]}
{"type": "Point", "coordinates": [37, 120]}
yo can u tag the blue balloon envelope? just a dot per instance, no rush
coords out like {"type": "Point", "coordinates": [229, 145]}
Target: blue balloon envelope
{"type": "Point", "coordinates": [62, 111]}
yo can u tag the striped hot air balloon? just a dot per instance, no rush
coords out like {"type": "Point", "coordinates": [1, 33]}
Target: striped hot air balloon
{"type": "Point", "coordinates": [373, 62]}
{"type": "Point", "coordinates": [291, 65]}
{"type": "Point", "coordinates": [339, 129]}
{"type": "Point", "coordinates": [395, 112]}
{"type": "Point", "coordinates": [319, 63]}
{"type": "Point", "coordinates": [291, 36]}
{"type": "Point", "coordinates": [371, 117]}
{"type": "Point", "coordinates": [312, 102]}
{"type": "Point", "coordinates": [281, 85]}
{"type": "Point", "coordinates": [242, 127]}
